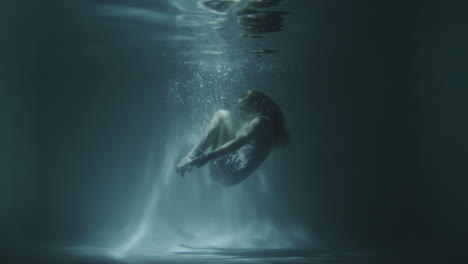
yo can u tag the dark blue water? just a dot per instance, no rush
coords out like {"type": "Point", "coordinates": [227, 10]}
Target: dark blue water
{"type": "Point", "coordinates": [100, 99]}
{"type": "Point", "coordinates": [213, 64]}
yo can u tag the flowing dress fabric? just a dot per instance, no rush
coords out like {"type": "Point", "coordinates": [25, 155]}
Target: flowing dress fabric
{"type": "Point", "coordinates": [234, 167]}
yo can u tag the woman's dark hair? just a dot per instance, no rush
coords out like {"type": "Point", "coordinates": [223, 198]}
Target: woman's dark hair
{"type": "Point", "coordinates": [271, 109]}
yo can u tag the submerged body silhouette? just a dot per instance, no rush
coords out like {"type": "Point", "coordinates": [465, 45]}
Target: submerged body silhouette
{"type": "Point", "coordinates": [237, 153]}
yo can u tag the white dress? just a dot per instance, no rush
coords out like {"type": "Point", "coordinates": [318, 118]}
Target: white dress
{"type": "Point", "coordinates": [234, 167]}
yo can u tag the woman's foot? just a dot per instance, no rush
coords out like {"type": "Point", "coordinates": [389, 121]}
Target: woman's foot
{"type": "Point", "coordinates": [184, 165]}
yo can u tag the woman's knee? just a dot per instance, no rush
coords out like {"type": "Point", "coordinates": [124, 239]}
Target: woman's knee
{"type": "Point", "coordinates": [223, 115]}
{"type": "Point", "coordinates": [223, 119]}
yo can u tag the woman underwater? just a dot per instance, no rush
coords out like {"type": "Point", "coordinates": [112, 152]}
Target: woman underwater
{"type": "Point", "coordinates": [235, 154]}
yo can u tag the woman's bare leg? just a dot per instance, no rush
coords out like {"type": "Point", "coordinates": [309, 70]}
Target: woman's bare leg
{"type": "Point", "coordinates": [220, 130]}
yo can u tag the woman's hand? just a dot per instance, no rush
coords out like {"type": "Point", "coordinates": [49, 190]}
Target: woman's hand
{"type": "Point", "coordinates": [200, 161]}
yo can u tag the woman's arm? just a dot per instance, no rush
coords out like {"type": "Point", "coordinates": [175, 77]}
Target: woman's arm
{"type": "Point", "coordinates": [243, 136]}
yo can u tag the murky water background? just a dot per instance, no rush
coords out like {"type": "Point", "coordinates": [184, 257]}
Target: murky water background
{"type": "Point", "coordinates": [195, 212]}
{"type": "Point", "coordinates": [101, 98]}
